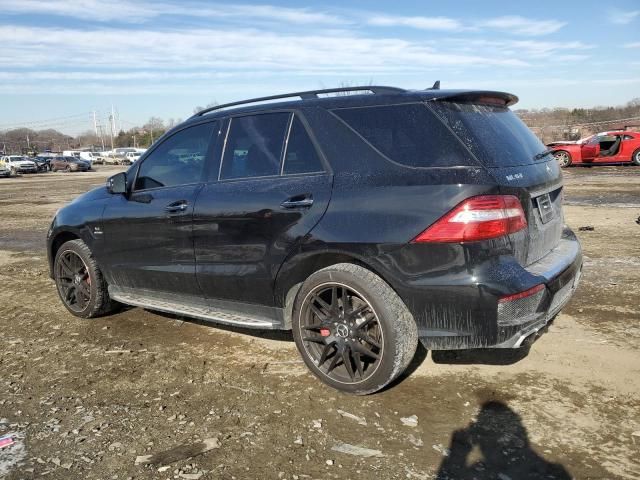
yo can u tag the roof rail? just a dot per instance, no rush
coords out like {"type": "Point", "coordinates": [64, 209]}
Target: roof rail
{"type": "Point", "coordinates": [306, 95]}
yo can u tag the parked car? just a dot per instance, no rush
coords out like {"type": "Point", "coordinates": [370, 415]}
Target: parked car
{"type": "Point", "coordinates": [362, 222]}
{"type": "Point", "coordinates": [87, 157]}
{"type": "Point", "coordinates": [69, 164]}
{"type": "Point", "coordinates": [19, 164]}
{"type": "Point", "coordinates": [5, 170]}
{"type": "Point", "coordinates": [131, 157]}
{"type": "Point", "coordinates": [42, 163]}
{"type": "Point", "coordinates": [604, 148]}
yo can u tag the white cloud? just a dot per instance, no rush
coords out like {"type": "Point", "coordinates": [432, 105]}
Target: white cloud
{"type": "Point", "coordinates": [522, 26]}
{"type": "Point", "coordinates": [632, 45]}
{"type": "Point", "coordinates": [622, 17]}
{"type": "Point", "coordinates": [238, 50]}
{"type": "Point", "coordinates": [126, 11]}
{"type": "Point", "coordinates": [423, 23]}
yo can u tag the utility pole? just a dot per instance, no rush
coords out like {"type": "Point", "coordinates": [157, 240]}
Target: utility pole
{"type": "Point", "coordinates": [28, 145]}
{"type": "Point", "coordinates": [112, 121]}
{"type": "Point", "coordinates": [95, 123]}
{"type": "Point", "coordinates": [101, 136]}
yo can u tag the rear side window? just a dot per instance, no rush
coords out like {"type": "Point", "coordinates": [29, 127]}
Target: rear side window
{"type": "Point", "coordinates": [409, 134]}
{"type": "Point", "coordinates": [495, 135]}
{"type": "Point", "coordinates": [254, 146]}
{"type": "Point", "coordinates": [301, 156]}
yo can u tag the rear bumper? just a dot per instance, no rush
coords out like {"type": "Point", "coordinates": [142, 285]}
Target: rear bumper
{"type": "Point", "coordinates": [453, 292]}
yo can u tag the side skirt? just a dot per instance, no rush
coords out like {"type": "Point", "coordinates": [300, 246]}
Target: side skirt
{"type": "Point", "coordinates": [223, 312]}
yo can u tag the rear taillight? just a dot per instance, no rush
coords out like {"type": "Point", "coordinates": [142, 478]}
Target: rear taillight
{"type": "Point", "coordinates": [477, 218]}
{"type": "Point", "coordinates": [519, 295]}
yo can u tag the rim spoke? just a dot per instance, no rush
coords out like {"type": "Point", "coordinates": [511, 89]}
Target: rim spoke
{"type": "Point", "coordinates": [325, 354]}
{"type": "Point", "coordinates": [319, 313]}
{"type": "Point", "coordinates": [364, 351]}
{"type": "Point", "coordinates": [334, 299]}
{"type": "Point", "coordinates": [66, 265]}
{"type": "Point", "coordinates": [346, 359]}
{"type": "Point", "coordinates": [314, 340]}
{"type": "Point", "coordinates": [82, 288]}
{"type": "Point", "coordinates": [358, 362]}
{"type": "Point", "coordinates": [353, 314]}
{"type": "Point", "coordinates": [370, 340]}
{"type": "Point", "coordinates": [346, 308]}
{"type": "Point", "coordinates": [334, 362]}
{"type": "Point", "coordinates": [367, 321]}
{"type": "Point", "coordinates": [322, 303]}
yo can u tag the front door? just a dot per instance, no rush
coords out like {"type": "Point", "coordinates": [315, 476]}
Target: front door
{"type": "Point", "coordinates": [271, 190]}
{"type": "Point", "coordinates": [148, 233]}
{"type": "Point", "coordinates": [590, 150]}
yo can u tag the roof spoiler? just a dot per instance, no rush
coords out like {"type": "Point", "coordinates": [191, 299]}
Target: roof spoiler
{"type": "Point", "coordinates": [487, 97]}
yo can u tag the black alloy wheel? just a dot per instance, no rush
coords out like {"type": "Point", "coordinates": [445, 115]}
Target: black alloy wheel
{"type": "Point", "coordinates": [73, 281]}
{"type": "Point", "coordinates": [341, 333]}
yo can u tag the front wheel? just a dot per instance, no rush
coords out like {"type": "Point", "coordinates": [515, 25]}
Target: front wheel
{"type": "Point", "coordinates": [563, 158]}
{"type": "Point", "coordinates": [635, 159]}
{"type": "Point", "coordinates": [79, 281]}
{"type": "Point", "coordinates": [352, 330]}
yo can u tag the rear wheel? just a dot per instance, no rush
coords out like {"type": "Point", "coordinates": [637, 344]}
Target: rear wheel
{"type": "Point", "coordinates": [635, 159]}
{"type": "Point", "coordinates": [563, 158]}
{"type": "Point", "coordinates": [352, 329]}
{"type": "Point", "coordinates": [79, 281]}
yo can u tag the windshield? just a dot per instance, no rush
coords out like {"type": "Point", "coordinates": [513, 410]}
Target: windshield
{"type": "Point", "coordinates": [494, 134]}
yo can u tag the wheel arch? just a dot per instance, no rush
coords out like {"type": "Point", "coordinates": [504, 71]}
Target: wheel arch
{"type": "Point", "coordinates": [57, 240]}
{"type": "Point", "coordinates": [298, 268]}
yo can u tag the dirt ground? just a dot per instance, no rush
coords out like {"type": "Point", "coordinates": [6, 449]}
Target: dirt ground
{"type": "Point", "coordinates": [84, 399]}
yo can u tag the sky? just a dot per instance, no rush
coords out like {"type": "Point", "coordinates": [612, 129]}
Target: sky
{"type": "Point", "coordinates": [62, 60]}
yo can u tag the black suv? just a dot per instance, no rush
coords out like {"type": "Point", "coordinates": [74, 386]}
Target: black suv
{"type": "Point", "coordinates": [364, 222]}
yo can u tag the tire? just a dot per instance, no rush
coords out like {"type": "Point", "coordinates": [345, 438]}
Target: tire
{"type": "Point", "coordinates": [75, 268]}
{"type": "Point", "coordinates": [333, 345]}
{"type": "Point", "coordinates": [67, 169]}
{"type": "Point", "coordinates": [635, 158]}
{"type": "Point", "coordinates": [563, 157]}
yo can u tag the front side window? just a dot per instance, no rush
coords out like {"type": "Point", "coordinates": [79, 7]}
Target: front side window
{"type": "Point", "coordinates": [254, 146]}
{"type": "Point", "coordinates": [179, 160]}
{"type": "Point", "coordinates": [301, 155]}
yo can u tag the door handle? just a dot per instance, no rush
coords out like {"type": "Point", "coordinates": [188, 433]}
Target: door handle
{"type": "Point", "coordinates": [299, 201]}
{"type": "Point", "coordinates": [177, 207]}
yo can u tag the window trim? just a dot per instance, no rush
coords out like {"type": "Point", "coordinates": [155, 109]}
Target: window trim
{"type": "Point", "coordinates": [291, 113]}
{"type": "Point", "coordinates": [161, 141]}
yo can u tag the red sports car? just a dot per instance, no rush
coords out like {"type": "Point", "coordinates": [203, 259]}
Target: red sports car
{"type": "Point", "coordinates": [601, 148]}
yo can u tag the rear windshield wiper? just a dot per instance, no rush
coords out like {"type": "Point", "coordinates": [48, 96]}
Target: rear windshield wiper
{"type": "Point", "coordinates": [540, 155]}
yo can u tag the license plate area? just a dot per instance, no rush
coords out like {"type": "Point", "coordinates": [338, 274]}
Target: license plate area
{"type": "Point", "coordinates": [545, 208]}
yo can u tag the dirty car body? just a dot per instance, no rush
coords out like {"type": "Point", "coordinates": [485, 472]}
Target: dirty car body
{"type": "Point", "coordinates": [410, 187]}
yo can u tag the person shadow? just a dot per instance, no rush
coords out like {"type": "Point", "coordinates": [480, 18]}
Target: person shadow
{"type": "Point", "coordinates": [496, 446]}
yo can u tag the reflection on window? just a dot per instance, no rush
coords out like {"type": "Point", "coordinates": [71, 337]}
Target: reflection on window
{"type": "Point", "coordinates": [254, 146]}
{"type": "Point", "coordinates": [301, 156]}
{"type": "Point", "coordinates": [178, 160]}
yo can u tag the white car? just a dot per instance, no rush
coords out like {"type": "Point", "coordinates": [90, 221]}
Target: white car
{"type": "Point", "coordinates": [5, 171]}
{"type": "Point", "coordinates": [131, 157]}
{"type": "Point", "coordinates": [19, 164]}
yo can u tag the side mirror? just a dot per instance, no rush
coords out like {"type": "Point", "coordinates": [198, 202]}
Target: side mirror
{"type": "Point", "coordinates": [117, 183]}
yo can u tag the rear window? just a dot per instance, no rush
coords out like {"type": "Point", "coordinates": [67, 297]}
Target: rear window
{"type": "Point", "coordinates": [409, 134]}
{"type": "Point", "coordinates": [495, 135]}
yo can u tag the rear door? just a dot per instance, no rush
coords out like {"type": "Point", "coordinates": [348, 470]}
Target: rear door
{"type": "Point", "coordinates": [270, 190]}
